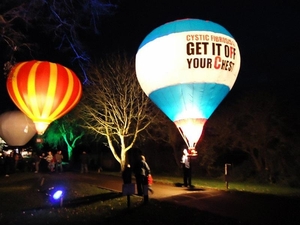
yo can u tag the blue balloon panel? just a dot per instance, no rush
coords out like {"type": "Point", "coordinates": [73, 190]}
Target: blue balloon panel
{"type": "Point", "coordinates": [184, 26]}
{"type": "Point", "coordinates": [193, 100]}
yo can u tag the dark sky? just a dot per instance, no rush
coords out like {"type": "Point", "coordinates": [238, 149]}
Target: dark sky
{"type": "Point", "coordinates": [267, 33]}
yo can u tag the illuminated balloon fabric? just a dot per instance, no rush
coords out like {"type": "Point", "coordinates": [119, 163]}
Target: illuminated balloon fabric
{"type": "Point", "coordinates": [44, 91]}
{"type": "Point", "coordinates": [16, 129]}
{"type": "Point", "coordinates": [187, 67]}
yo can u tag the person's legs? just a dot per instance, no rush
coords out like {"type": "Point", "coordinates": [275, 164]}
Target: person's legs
{"type": "Point", "coordinates": [185, 177]}
{"type": "Point", "coordinates": [189, 177]}
{"type": "Point", "coordinates": [145, 188]}
{"type": "Point", "coordinates": [49, 167]}
{"type": "Point", "coordinates": [138, 180]}
{"type": "Point", "coordinates": [37, 166]}
{"type": "Point", "coordinates": [150, 189]}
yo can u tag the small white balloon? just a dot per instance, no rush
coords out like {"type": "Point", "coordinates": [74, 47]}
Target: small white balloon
{"type": "Point", "coordinates": [16, 129]}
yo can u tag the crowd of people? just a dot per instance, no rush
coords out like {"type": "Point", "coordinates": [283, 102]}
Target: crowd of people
{"type": "Point", "coordinates": [13, 162]}
{"type": "Point", "coordinates": [54, 163]}
{"type": "Point", "coordinates": [50, 161]}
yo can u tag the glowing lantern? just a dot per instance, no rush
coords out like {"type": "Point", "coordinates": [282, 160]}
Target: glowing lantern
{"type": "Point", "coordinates": [16, 128]}
{"type": "Point", "coordinates": [44, 91]}
{"type": "Point", "coordinates": [187, 67]}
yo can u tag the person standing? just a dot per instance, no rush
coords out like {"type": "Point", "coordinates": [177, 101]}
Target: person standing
{"type": "Point", "coordinates": [17, 157]}
{"type": "Point", "coordinates": [37, 161]}
{"type": "Point", "coordinates": [84, 159]}
{"type": "Point", "coordinates": [50, 159]}
{"type": "Point", "coordinates": [43, 167]}
{"type": "Point", "coordinates": [148, 176]}
{"type": "Point", "coordinates": [8, 163]}
{"type": "Point", "coordinates": [142, 170]}
{"type": "Point", "coordinates": [186, 169]}
{"type": "Point", "coordinates": [58, 161]}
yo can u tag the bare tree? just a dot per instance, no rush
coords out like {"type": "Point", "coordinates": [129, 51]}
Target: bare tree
{"type": "Point", "coordinates": [65, 24]}
{"type": "Point", "coordinates": [13, 38]}
{"type": "Point", "coordinates": [115, 106]}
{"type": "Point", "coordinates": [162, 130]}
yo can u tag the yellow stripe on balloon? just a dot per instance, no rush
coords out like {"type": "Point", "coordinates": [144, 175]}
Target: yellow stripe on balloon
{"type": "Point", "coordinates": [32, 91]}
{"type": "Point", "coordinates": [77, 97]}
{"type": "Point", "coordinates": [60, 109]}
{"type": "Point", "coordinates": [50, 92]}
{"type": "Point", "coordinates": [18, 98]}
{"type": "Point", "coordinates": [78, 93]}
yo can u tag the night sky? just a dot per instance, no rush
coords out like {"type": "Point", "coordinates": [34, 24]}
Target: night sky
{"type": "Point", "coordinates": [267, 33]}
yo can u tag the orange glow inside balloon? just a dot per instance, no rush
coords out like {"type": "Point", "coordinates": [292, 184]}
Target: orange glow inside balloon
{"type": "Point", "coordinates": [41, 127]}
{"type": "Point", "coordinates": [190, 130]}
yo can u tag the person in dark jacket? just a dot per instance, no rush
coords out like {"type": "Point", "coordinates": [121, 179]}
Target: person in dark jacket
{"type": "Point", "coordinates": [9, 163]}
{"type": "Point", "coordinates": [84, 159]}
{"type": "Point", "coordinates": [142, 170]}
{"type": "Point", "coordinates": [58, 161]}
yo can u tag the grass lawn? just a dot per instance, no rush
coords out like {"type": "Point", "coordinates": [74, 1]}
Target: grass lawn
{"type": "Point", "coordinates": [23, 201]}
{"type": "Point", "coordinates": [253, 187]}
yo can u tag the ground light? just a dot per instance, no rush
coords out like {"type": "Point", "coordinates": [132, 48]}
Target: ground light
{"type": "Point", "coordinates": [56, 195]}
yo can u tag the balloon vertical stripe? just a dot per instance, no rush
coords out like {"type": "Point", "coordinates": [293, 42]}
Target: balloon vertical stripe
{"type": "Point", "coordinates": [31, 90]}
{"type": "Point", "coordinates": [44, 91]}
{"type": "Point", "coordinates": [64, 102]}
{"type": "Point", "coordinates": [51, 92]}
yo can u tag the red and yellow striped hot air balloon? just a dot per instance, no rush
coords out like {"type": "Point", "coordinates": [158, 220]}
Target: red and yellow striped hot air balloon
{"type": "Point", "coordinates": [44, 91]}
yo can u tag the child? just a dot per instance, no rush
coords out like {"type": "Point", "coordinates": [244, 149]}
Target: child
{"type": "Point", "coordinates": [148, 174]}
{"type": "Point", "coordinates": [150, 182]}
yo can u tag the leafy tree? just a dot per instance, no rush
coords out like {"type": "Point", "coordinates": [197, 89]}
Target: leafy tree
{"type": "Point", "coordinates": [115, 106]}
{"type": "Point", "coordinates": [257, 123]}
{"type": "Point", "coordinates": [65, 130]}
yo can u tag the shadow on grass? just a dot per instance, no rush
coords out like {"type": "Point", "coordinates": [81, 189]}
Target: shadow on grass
{"type": "Point", "coordinates": [73, 203]}
{"type": "Point", "coordinates": [8, 183]}
{"type": "Point", "coordinates": [191, 188]}
{"type": "Point", "coordinates": [91, 199]}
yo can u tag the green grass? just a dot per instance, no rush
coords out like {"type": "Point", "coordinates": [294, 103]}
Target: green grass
{"type": "Point", "coordinates": [22, 202]}
{"type": "Point", "coordinates": [219, 184]}
{"type": "Point", "coordinates": [84, 203]}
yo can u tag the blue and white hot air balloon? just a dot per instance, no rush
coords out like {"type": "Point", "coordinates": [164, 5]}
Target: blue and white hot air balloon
{"type": "Point", "coordinates": [187, 67]}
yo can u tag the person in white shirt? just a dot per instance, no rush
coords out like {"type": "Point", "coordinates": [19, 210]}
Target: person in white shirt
{"type": "Point", "coordinates": [186, 168]}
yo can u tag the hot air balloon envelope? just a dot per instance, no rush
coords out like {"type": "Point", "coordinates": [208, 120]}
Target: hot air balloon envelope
{"type": "Point", "coordinates": [187, 67]}
{"type": "Point", "coordinates": [44, 91]}
{"type": "Point", "coordinates": [16, 128]}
